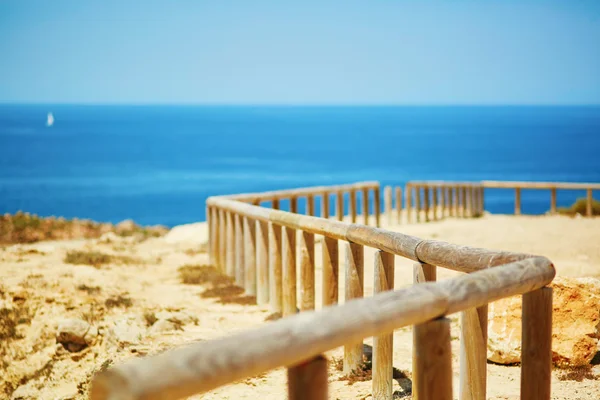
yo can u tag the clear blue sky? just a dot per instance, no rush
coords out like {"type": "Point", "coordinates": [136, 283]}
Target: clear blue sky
{"type": "Point", "coordinates": [316, 52]}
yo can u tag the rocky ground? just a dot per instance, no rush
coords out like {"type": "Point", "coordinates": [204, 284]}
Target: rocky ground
{"type": "Point", "coordinates": [70, 308]}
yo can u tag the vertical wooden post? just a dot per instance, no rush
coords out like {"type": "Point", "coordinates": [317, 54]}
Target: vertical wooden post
{"type": "Point", "coordinates": [451, 201]}
{"type": "Point", "coordinates": [308, 380]}
{"type": "Point", "coordinates": [553, 201]}
{"type": "Point", "coordinates": [353, 352]}
{"type": "Point", "coordinates": [418, 202]}
{"type": "Point", "coordinates": [325, 205]}
{"type": "Point", "coordinates": [457, 201]}
{"type": "Point", "coordinates": [474, 202]}
{"type": "Point", "coordinates": [307, 271]}
{"type": "Point", "coordinates": [399, 204]}
{"type": "Point", "coordinates": [330, 271]}
{"type": "Point", "coordinates": [536, 355]}
{"type": "Point", "coordinates": [426, 198]}
{"type": "Point", "coordinates": [217, 235]}
{"type": "Point", "coordinates": [275, 283]}
{"type": "Point", "coordinates": [482, 199]}
{"type": "Point", "coordinates": [365, 205]}
{"type": "Point", "coordinates": [517, 201]}
{"type": "Point", "coordinates": [353, 206]}
{"type": "Point", "coordinates": [377, 206]}
{"type": "Point", "coordinates": [432, 379]}
{"type": "Point", "coordinates": [230, 248]}
{"type": "Point", "coordinates": [383, 347]}
{"type": "Point", "coordinates": [340, 206]}
{"type": "Point", "coordinates": [288, 257]}
{"type": "Point", "coordinates": [387, 203]}
{"type": "Point", "coordinates": [408, 203]}
{"type": "Point", "coordinates": [222, 240]}
{"type": "Point", "coordinates": [421, 273]}
{"type": "Point", "coordinates": [250, 256]}
{"type": "Point", "coordinates": [310, 205]}
{"type": "Point", "coordinates": [465, 212]}
{"type": "Point", "coordinates": [211, 240]}
{"type": "Point", "coordinates": [590, 200]}
{"type": "Point", "coordinates": [293, 205]}
{"type": "Point", "coordinates": [262, 263]}
{"type": "Point", "coordinates": [275, 204]}
{"type": "Point", "coordinates": [473, 353]}
{"type": "Point", "coordinates": [239, 251]}
{"type": "Point", "coordinates": [435, 202]}
{"type": "Point", "coordinates": [443, 190]}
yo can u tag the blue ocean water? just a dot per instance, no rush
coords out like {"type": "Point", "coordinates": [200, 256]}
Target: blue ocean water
{"type": "Point", "coordinates": [158, 164]}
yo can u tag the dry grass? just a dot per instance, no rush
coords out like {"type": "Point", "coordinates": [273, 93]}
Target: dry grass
{"type": "Point", "coordinates": [89, 289]}
{"type": "Point", "coordinates": [578, 374]}
{"type": "Point", "coordinates": [121, 301]}
{"type": "Point", "coordinates": [96, 258]}
{"type": "Point", "coordinates": [201, 274]}
{"type": "Point", "coordinates": [580, 207]}
{"type": "Point", "coordinates": [150, 318]}
{"type": "Point", "coordinates": [222, 287]}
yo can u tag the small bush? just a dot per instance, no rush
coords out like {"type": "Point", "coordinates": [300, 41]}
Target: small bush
{"type": "Point", "coordinates": [121, 300]}
{"type": "Point", "coordinates": [88, 289]}
{"type": "Point", "coordinates": [150, 318]}
{"type": "Point", "coordinates": [95, 258]}
{"type": "Point", "coordinates": [580, 207]}
{"type": "Point", "coordinates": [200, 274]}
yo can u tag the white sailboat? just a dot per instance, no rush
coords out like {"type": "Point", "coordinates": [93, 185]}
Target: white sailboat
{"type": "Point", "coordinates": [50, 120]}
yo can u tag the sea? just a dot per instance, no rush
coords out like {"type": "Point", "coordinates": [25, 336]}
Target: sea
{"type": "Point", "coordinates": [158, 164]}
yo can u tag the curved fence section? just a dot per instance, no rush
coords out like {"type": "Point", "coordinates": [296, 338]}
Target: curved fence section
{"type": "Point", "coordinates": [271, 254]}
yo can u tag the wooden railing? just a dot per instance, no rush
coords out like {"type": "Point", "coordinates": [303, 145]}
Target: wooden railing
{"type": "Point", "coordinates": [257, 246]}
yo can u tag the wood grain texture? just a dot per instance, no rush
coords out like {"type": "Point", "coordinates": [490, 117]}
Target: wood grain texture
{"type": "Point", "coordinates": [203, 366]}
{"type": "Point", "coordinates": [433, 375]}
{"type": "Point", "coordinates": [354, 287]}
{"type": "Point", "coordinates": [536, 356]}
{"type": "Point", "coordinates": [249, 256]}
{"type": "Point", "coordinates": [308, 380]}
{"type": "Point", "coordinates": [422, 273]}
{"type": "Point", "coordinates": [262, 263]}
{"type": "Point", "coordinates": [275, 273]}
{"type": "Point", "coordinates": [330, 256]}
{"type": "Point", "coordinates": [239, 251]}
{"type": "Point", "coordinates": [288, 262]}
{"type": "Point", "coordinates": [398, 204]}
{"type": "Point", "coordinates": [473, 353]}
{"type": "Point", "coordinates": [383, 345]}
{"type": "Point", "coordinates": [307, 271]}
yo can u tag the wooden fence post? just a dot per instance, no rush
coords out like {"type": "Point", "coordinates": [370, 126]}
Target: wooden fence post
{"type": "Point", "coordinates": [330, 271]}
{"type": "Point", "coordinates": [275, 204]}
{"type": "Point", "coordinates": [536, 355]}
{"type": "Point", "coordinates": [211, 241]}
{"type": "Point", "coordinates": [418, 202]}
{"type": "Point", "coordinates": [465, 206]}
{"type": "Point", "coordinates": [426, 198]}
{"type": "Point", "coordinates": [294, 205]}
{"type": "Point", "coordinates": [399, 204]}
{"type": "Point", "coordinates": [387, 203]}
{"type": "Point", "coordinates": [433, 377]}
{"type": "Point", "coordinates": [250, 256]}
{"type": "Point", "coordinates": [325, 205]}
{"type": "Point", "coordinates": [590, 200]}
{"type": "Point", "coordinates": [365, 206]}
{"type": "Point", "coordinates": [473, 353]}
{"type": "Point", "coordinates": [339, 206]}
{"type": "Point", "coordinates": [275, 279]}
{"type": "Point", "coordinates": [262, 263]}
{"type": "Point", "coordinates": [383, 346]}
{"type": "Point", "coordinates": [353, 352]}
{"type": "Point", "coordinates": [309, 380]}
{"type": "Point", "coordinates": [239, 251]}
{"type": "Point", "coordinates": [230, 255]}
{"type": "Point", "coordinates": [222, 240]}
{"type": "Point", "coordinates": [307, 271]}
{"type": "Point", "coordinates": [435, 202]}
{"type": "Point", "coordinates": [310, 205]}
{"type": "Point", "coordinates": [553, 201]}
{"type": "Point", "coordinates": [444, 201]}
{"type": "Point", "coordinates": [377, 206]}
{"type": "Point", "coordinates": [457, 201]}
{"type": "Point", "coordinates": [421, 273]}
{"type": "Point", "coordinates": [517, 201]}
{"type": "Point", "coordinates": [353, 205]}
{"type": "Point", "coordinates": [451, 201]}
{"type": "Point", "coordinates": [408, 202]}
{"type": "Point", "coordinates": [288, 257]}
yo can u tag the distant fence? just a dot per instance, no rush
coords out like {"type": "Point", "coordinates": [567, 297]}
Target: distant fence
{"type": "Point", "coordinates": [257, 245]}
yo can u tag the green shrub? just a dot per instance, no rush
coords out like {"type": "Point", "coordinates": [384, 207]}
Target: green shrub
{"type": "Point", "coordinates": [580, 207]}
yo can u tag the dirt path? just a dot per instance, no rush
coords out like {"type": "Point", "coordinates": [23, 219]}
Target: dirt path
{"type": "Point", "coordinates": [140, 307]}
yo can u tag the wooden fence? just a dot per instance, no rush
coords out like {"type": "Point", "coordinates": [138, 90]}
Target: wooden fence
{"type": "Point", "coordinates": [257, 245]}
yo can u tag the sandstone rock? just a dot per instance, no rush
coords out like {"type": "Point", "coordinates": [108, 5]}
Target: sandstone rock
{"type": "Point", "coordinates": [178, 318]}
{"type": "Point", "coordinates": [75, 334]}
{"type": "Point", "coordinates": [127, 330]}
{"type": "Point", "coordinates": [164, 325]}
{"type": "Point", "coordinates": [575, 324]}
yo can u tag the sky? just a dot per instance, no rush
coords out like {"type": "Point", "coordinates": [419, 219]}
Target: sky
{"type": "Point", "coordinates": [305, 52]}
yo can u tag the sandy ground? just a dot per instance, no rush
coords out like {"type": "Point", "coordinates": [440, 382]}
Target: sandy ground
{"type": "Point", "coordinates": [35, 279]}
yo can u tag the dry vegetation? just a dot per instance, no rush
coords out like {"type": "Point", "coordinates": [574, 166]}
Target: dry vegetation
{"type": "Point", "coordinates": [28, 228]}
{"type": "Point", "coordinates": [221, 287]}
{"type": "Point", "coordinates": [97, 259]}
{"type": "Point", "coordinates": [580, 207]}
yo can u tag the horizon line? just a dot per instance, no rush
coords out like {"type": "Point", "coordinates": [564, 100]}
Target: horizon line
{"type": "Point", "coordinates": [259, 104]}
